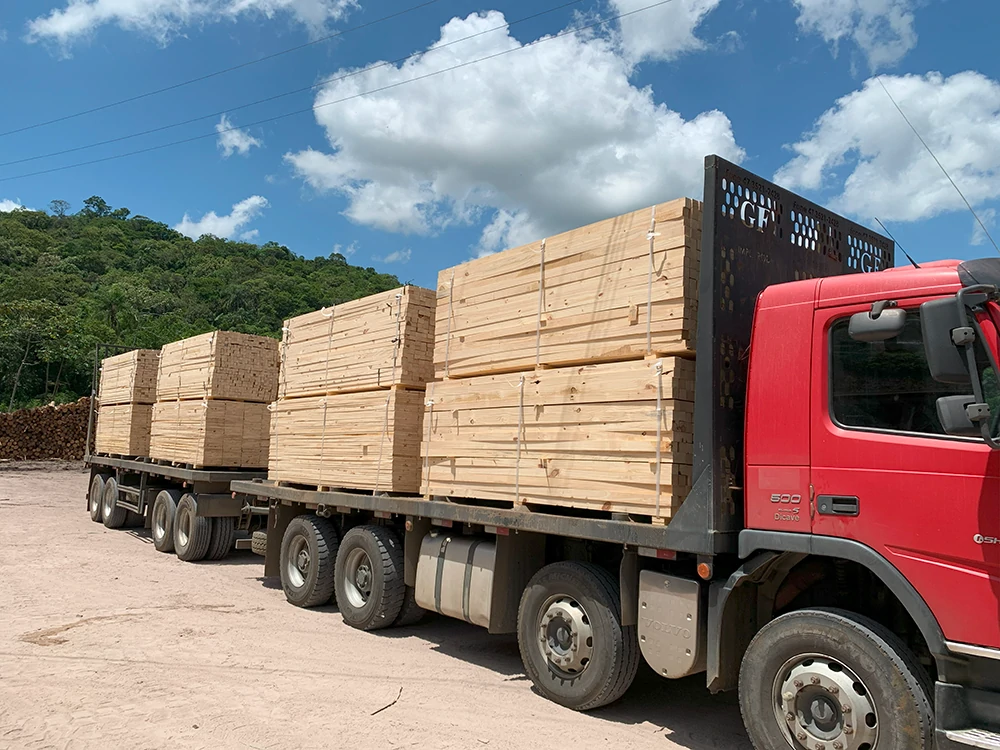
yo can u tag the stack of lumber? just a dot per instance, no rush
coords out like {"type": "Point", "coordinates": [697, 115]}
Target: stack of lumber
{"type": "Point", "coordinates": [351, 400]}
{"type": "Point", "coordinates": [221, 364]}
{"type": "Point", "coordinates": [212, 400]}
{"type": "Point", "coordinates": [368, 440]}
{"type": "Point", "coordinates": [211, 433]}
{"type": "Point", "coordinates": [127, 392]}
{"type": "Point", "coordinates": [45, 433]}
{"type": "Point", "coordinates": [353, 346]}
{"type": "Point", "coordinates": [564, 369]}
{"type": "Point", "coordinates": [594, 294]}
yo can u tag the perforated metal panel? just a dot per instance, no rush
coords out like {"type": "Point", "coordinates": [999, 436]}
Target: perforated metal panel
{"type": "Point", "coordinates": [754, 234]}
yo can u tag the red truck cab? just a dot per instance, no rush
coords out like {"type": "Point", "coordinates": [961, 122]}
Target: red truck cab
{"type": "Point", "coordinates": [850, 466]}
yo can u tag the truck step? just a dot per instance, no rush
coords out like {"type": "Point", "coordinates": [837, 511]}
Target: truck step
{"type": "Point", "coordinates": [975, 738]}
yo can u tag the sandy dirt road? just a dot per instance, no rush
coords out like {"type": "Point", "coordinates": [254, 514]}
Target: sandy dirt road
{"type": "Point", "coordinates": [105, 643]}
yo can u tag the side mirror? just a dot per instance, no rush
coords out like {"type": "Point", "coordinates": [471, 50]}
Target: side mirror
{"type": "Point", "coordinates": [954, 414]}
{"type": "Point", "coordinates": [945, 359]}
{"type": "Point", "coordinates": [877, 325]}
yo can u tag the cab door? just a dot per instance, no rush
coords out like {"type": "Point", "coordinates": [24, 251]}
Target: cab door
{"type": "Point", "coordinates": [884, 474]}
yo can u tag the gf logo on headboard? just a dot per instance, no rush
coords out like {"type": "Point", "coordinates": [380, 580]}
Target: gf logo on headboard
{"type": "Point", "coordinates": [755, 216]}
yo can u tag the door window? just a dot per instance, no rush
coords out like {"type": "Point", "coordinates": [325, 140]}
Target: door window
{"type": "Point", "coordinates": [886, 385]}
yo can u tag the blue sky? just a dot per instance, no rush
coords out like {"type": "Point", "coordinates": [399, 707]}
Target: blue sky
{"type": "Point", "coordinates": [429, 173]}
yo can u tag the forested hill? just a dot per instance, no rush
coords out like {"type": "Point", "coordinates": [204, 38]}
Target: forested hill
{"type": "Point", "coordinates": [68, 282]}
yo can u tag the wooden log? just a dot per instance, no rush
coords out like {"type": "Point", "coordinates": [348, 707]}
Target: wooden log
{"type": "Point", "coordinates": [47, 432]}
{"type": "Point", "coordinates": [580, 437]}
{"type": "Point", "coordinates": [129, 378]}
{"type": "Point", "coordinates": [376, 342]}
{"type": "Point", "coordinates": [123, 429]}
{"type": "Point", "coordinates": [211, 432]}
{"type": "Point", "coordinates": [593, 294]}
{"type": "Point", "coordinates": [368, 440]}
{"type": "Point", "coordinates": [219, 365]}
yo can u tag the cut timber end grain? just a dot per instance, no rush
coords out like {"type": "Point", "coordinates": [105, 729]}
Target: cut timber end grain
{"type": "Point", "coordinates": [210, 433]}
{"type": "Point", "coordinates": [336, 441]}
{"type": "Point", "coordinates": [595, 289]}
{"type": "Point", "coordinates": [379, 341]}
{"type": "Point", "coordinates": [219, 365]}
{"type": "Point", "coordinates": [123, 429]}
{"type": "Point", "coordinates": [588, 441]}
{"type": "Point", "coordinates": [129, 378]}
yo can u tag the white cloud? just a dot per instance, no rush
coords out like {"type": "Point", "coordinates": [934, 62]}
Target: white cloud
{"type": "Point", "coordinates": [249, 236]}
{"type": "Point", "coordinates": [889, 174]}
{"type": "Point", "coordinates": [400, 256]}
{"type": "Point", "coordinates": [661, 33]}
{"type": "Point", "coordinates": [348, 251]}
{"type": "Point", "coordinates": [233, 140]}
{"type": "Point", "coordinates": [164, 19]}
{"type": "Point", "coordinates": [882, 29]}
{"type": "Point", "coordinates": [3, 35]}
{"type": "Point", "coordinates": [224, 226]}
{"type": "Point", "coordinates": [542, 140]}
{"type": "Point", "coordinates": [7, 205]}
{"type": "Point", "coordinates": [989, 217]}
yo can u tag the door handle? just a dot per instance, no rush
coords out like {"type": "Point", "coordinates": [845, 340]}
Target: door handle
{"type": "Point", "coordinates": [838, 505]}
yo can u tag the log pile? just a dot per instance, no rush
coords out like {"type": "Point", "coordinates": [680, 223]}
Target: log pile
{"type": "Point", "coordinates": [46, 432]}
{"type": "Point", "coordinates": [212, 394]}
{"type": "Point", "coordinates": [564, 372]}
{"type": "Point", "coordinates": [352, 394]}
{"type": "Point", "coordinates": [127, 391]}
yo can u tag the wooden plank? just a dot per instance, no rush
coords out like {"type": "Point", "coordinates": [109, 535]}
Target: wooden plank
{"type": "Point", "coordinates": [583, 298]}
{"type": "Point", "coordinates": [368, 440]}
{"type": "Point", "coordinates": [123, 429]}
{"type": "Point", "coordinates": [380, 341]}
{"type": "Point", "coordinates": [129, 378]}
{"type": "Point", "coordinates": [581, 437]}
{"type": "Point", "coordinates": [219, 365]}
{"type": "Point", "coordinates": [210, 433]}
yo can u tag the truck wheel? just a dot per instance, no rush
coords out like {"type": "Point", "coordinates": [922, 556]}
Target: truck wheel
{"type": "Point", "coordinates": [410, 613]}
{"type": "Point", "coordinates": [162, 522]}
{"type": "Point", "coordinates": [572, 642]}
{"type": "Point", "coordinates": [113, 516]}
{"type": "Point", "coordinates": [308, 554]}
{"type": "Point", "coordinates": [831, 678]}
{"type": "Point", "coordinates": [258, 543]}
{"type": "Point", "coordinates": [370, 587]}
{"type": "Point", "coordinates": [192, 533]}
{"type": "Point", "coordinates": [95, 498]}
{"type": "Point", "coordinates": [223, 537]}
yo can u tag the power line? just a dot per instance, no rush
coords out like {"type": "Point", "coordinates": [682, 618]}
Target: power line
{"type": "Point", "coordinates": [938, 162]}
{"type": "Point", "coordinates": [342, 100]}
{"type": "Point", "coordinates": [216, 73]}
{"type": "Point", "coordinates": [275, 97]}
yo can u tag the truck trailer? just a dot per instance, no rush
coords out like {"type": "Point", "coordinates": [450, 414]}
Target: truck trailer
{"type": "Point", "coordinates": [837, 559]}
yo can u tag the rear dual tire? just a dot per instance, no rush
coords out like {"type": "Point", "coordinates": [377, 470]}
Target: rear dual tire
{"type": "Point", "coordinates": [192, 533]}
{"type": "Point", "coordinates": [113, 515]}
{"type": "Point", "coordinates": [308, 555]}
{"type": "Point", "coordinates": [162, 521]}
{"type": "Point", "coordinates": [369, 577]}
{"type": "Point", "coordinates": [95, 497]}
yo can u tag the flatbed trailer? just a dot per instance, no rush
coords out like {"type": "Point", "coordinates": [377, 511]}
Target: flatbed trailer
{"type": "Point", "coordinates": [139, 491]}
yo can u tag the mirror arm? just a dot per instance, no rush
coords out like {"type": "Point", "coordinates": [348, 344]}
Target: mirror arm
{"type": "Point", "coordinates": [966, 339]}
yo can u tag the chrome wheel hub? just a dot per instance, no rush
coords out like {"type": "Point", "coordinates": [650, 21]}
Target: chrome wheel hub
{"type": "Point", "coordinates": [565, 636]}
{"type": "Point", "coordinates": [822, 705]}
{"type": "Point", "coordinates": [299, 561]}
{"type": "Point", "coordinates": [358, 578]}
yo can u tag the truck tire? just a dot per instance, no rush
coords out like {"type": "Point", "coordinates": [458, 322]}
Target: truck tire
{"type": "Point", "coordinates": [805, 669]}
{"type": "Point", "coordinates": [223, 538]}
{"type": "Point", "coordinates": [95, 497]}
{"type": "Point", "coordinates": [308, 554]}
{"type": "Point", "coordinates": [113, 516]}
{"type": "Point", "coordinates": [369, 575]}
{"type": "Point", "coordinates": [410, 613]}
{"type": "Point", "coordinates": [258, 543]}
{"type": "Point", "coordinates": [162, 521]}
{"type": "Point", "coordinates": [574, 648]}
{"type": "Point", "coordinates": [192, 533]}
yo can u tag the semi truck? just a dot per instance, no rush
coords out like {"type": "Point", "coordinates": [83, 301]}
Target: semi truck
{"type": "Point", "coordinates": [837, 560]}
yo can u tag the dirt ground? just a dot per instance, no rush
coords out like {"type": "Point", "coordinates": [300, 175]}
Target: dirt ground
{"type": "Point", "coordinates": [105, 643]}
